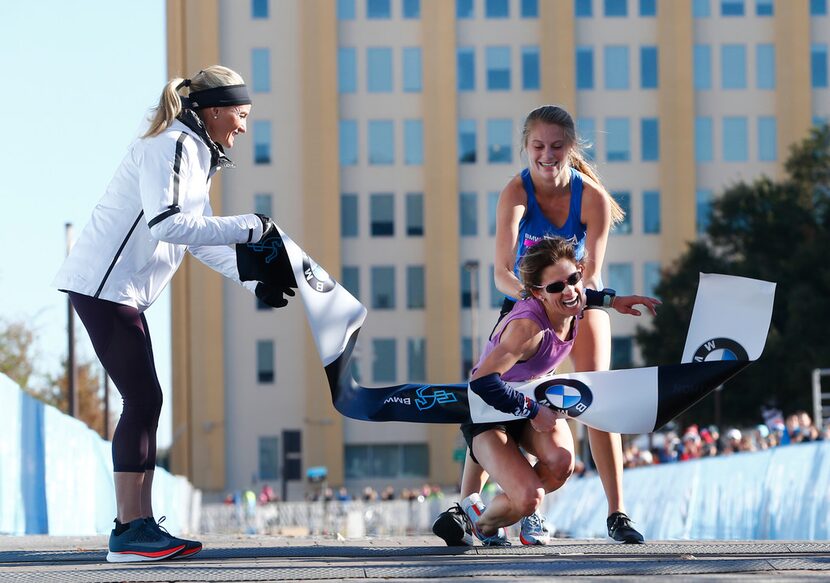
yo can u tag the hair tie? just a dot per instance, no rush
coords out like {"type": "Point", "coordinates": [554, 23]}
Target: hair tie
{"type": "Point", "coordinates": [184, 83]}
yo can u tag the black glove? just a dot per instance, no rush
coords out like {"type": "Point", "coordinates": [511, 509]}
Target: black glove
{"type": "Point", "coordinates": [273, 296]}
{"type": "Point", "coordinates": [269, 227]}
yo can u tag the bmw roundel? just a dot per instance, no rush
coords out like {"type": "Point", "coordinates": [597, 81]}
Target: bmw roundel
{"type": "Point", "coordinates": [566, 395]}
{"type": "Point", "coordinates": [720, 349]}
{"type": "Point", "coordinates": [315, 276]}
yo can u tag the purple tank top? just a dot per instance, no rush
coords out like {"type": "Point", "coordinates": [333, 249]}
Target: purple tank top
{"type": "Point", "coordinates": [552, 351]}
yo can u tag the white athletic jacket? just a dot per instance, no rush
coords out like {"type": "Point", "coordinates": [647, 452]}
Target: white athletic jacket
{"type": "Point", "coordinates": [155, 208]}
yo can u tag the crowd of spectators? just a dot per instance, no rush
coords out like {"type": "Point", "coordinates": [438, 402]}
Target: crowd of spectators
{"type": "Point", "coordinates": [369, 494]}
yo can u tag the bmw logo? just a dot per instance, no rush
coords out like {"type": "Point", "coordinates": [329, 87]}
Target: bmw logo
{"type": "Point", "coordinates": [566, 395]}
{"type": "Point", "coordinates": [720, 349]}
{"type": "Point", "coordinates": [317, 277]}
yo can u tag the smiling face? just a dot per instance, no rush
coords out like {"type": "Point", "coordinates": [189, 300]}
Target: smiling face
{"type": "Point", "coordinates": [224, 123]}
{"type": "Point", "coordinates": [547, 148]}
{"type": "Point", "coordinates": [568, 302]}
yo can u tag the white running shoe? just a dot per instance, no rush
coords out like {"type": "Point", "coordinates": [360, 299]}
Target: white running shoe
{"type": "Point", "coordinates": [473, 507]}
{"type": "Point", "coordinates": [534, 530]}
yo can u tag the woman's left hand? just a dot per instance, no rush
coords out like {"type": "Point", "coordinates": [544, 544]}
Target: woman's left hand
{"type": "Point", "coordinates": [625, 304]}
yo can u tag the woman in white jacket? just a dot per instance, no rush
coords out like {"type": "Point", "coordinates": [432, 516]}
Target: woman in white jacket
{"type": "Point", "coordinates": [155, 208]}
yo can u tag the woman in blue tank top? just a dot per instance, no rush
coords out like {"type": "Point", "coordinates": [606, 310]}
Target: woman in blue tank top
{"type": "Point", "coordinates": [559, 194]}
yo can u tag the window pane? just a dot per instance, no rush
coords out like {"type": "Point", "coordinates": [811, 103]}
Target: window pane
{"type": "Point", "coordinates": [735, 139]}
{"type": "Point", "coordinates": [378, 9]}
{"type": "Point", "coordinates": [703, 66]}
{"type": "Point", "coordinates": [383, 364]}
{"type": "Point", "coordinates": [621, 278]}
{"type": "Point", "coordinates": [381, 142]}
{"type": "Point", "coordinates": [416, 358]}
{"type": "Point", "coordinates": [351, 280]}
{"type": "Point", "coordinates": [499, 134]}
{"type": "Point", "coordinates": [463, 9]}
{"type": "Point", "coordinates": [765, 66]}
{"type": "Point", "coordinates": [412, 8]}
{"type": "Point", "coordinates": [763, 7]}
{"type": "Point", "coordinates": [496, 297]}
{"type": "Point", "coordinates": [703, 139]}
{"type": "Point", "coordinates": [259, 8]}
{"type": "Point", "coordinates": [356, 461]}
{"type": "Point", "coordinates": [386, 460]}
{"type": "Point", "coordinates": [616, 67]}
{"type": "Point", "coordinates": [379, 65]}
{"type": "Point", "coordinates": [731, 7]}
{"type": "Point", "coordinates": [583, 8]}
{"type": "Point", "coordinates": [345, 10]}
{"type": "Point", "coordinates": [467, 214]}
{"type": "Point", "coordinates": [616, 7]}
{"type": "Point", "coordinates": [492, 205]}
{"type": "Point", "coordinates": [496, 9]}
{"type": "Point", "coordinates": [467, 141]}
{"type": "Point", "coordinates": [415, 287]}
{"type": "Point", "coordinates": [818, 65]}
{"type": "Point", "coordinates": [651, 212]}
{"type": "Point", "coordinates": [262, 142]}
{"type": "Point", "coordinates": [262, 204]}
{"type": "Point", "coordinates": [818, 7]}
{"type": "Point", "coordinates": [584, 67]}
{"type": "Point", "coordinates": [498, 68]}
{"type": "Point", "coordinates": [767, 139]}
{"type": "Point", "coordinates": [703, 209]}
{"type": "Point", "coordinates": [269, 458]}
{"type": "Point", "coordinates": [383, 288]}
{"type": "Point", "coordinates": [260, 70]}
{"type": "Point", "coordinates": [348, 215]}
{"type": "Point", "coordinates": [624, 200]}
{"type": "Point", "coordinates": [466, 356]}
{"type": "Point", "coordinates": [648, 7]}
{"type": "Point", "coordinates": [530, 8]}
{"type": "Point", "coordinates": [346, 70]}
{"type": "Point", "coordinates": [530, 68]}
{"type": "Point", "coordinates": [622, 352]}
{"type": "Point", "coordinates": [265, 361]}
{"type": "Point", "coordinates": [414, 214]}
{"type": "Point", "coordinates": [348, 142]}
{"type": "Point", "coordinates": [466, 69]}
{"type": "Point", "coordinates": [415, 460]}
{"type": "Point", "coordinates": [467, 276]}
{"type": "Point", "coordinates": [733, 67]}
{"type": "Point", "coordinates": [651, 277]}
{"type": "Point", "coordinates": [413, 138]}
{"type": "Point", "coordinates": [382, 214]}
{"type": "Point", "coordinates": [701, 8]}
{"type": "Point", "coordinates": [650, 135]}
{"type": "Point", "coordinates": [412, 69]}
{"type": "Point", "coordinates": [648, 68]}
{"type": "Point", "coordinates": [586, 128]}
{"type": "Point", "coordinates": [618, 139]}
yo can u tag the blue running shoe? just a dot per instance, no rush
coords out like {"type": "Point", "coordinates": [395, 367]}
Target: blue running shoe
{"type": "Point", "coordinates": [141, 542]}
{"type": "Point", "coordinates": [191, 547]}
{"type": "Point", "coordinates": [473, 508]}
{"type": "Point", "coordinates": [534, 530]}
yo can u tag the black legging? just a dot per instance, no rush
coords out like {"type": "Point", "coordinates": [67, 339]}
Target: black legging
{"type": "Point", "coordinates": [121, 340]}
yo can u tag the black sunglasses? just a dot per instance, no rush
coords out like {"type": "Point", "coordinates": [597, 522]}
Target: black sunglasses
{"type": "Point", "coordinates": [559, 286]}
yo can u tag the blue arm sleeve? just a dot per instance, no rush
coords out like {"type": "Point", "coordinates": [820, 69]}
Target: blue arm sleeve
{"type": "Point", "coordinates": [498, 395]}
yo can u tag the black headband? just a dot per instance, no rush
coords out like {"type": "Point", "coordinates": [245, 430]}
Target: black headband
{"type": "Point", "coordinates": [218, 97]}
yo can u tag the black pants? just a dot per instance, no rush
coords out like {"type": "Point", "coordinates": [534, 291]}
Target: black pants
{"type": "Point", "coordinates": [121, 340]}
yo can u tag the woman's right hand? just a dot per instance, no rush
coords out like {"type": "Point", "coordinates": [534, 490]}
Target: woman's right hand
{"type": "Point", "coordinates": [545, 420]}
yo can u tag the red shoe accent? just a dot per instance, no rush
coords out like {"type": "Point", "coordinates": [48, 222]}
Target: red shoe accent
{"type": "Point", "coordinates": [162, 554]}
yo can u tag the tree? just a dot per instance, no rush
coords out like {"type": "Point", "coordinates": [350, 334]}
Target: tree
{"type": "Point", "coordinates": [16, 345]}
{"type": "Point", "coordinates": [776, 231]}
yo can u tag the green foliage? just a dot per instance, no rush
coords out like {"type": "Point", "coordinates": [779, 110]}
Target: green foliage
{"type": "Point", "coordinates": [775, 231]}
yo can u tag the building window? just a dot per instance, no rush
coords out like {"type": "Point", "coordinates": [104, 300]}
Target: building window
{"type": "Point", "coordinates": [492, 207]}
{"type": "Point", "coordinates": [466, 277]}
{"type": "Point", "coordinates": [345, 10]}
{"type": "Point", "coordinates": [818, 66]}
{"type": "Point", "coordinates": [733, 66]}
{"type": "Point", "coordinates": [263, 204]}
{"type": "Point", "coordinates": [499, 147]}
{"type": "Point", "coordinates": [731, 7]}
{"type": "Point", "coordinates": [414, 214]}
{"type": "Point", "coordinates": [818, 7]}
{"type": "Point", "coordinates": [348, 215]}
{"type": "Point", "coordinates": [381, 142]}
{"type": "Point", "coordinates": [384, 366]}
{"type": "Point", "coordinates": [348, 142]}
{"type": "Point", "coordinates": [466, 357]}
{"type": "Point", "coordinates": [498, 68]}
{"type": "Point", "coordinates": [378, 9]}
{"type": "Point", "coordinates": [617, 139]}
{"type": "Point", "coordinates": [379, 64]}
{"type": "Point", "coordinates": [649, 74]}
{"type": "Point", "coordinates": [530, 68]}
{"type": "Point", "coordinates": [463, 9]}
{"type": "Point", "coordinates": [703, 67]}
{"type": "Point", "coordinates": [269, 458]}
{"type": "Point", "coordinates": [703, 210]}
{"type": "Point", "coordinates": [624, 200]}
{"type": "Point", "coordinates": [259, 8]}
{"type": "Point", "coordinates": [616, 67]}
{"type": "Point", "coordinates": [616, 8]}
{"type": "Point", "coordinates": [651, 278]}
{"type": "Point", "coordinates": [407, 460]}
{"type": "Point", "coordinates": [260, 70]}
{"type": "Point", "coordinates": [412, 69]}
{"type": "Point", "coordinates": [765, 66]}
{"type": "Point", "coordinates": [468, 214]}
{"type": "Point", "coordinates": [466, 69]}
{"type": "Point", "coordinates": [415, 287]}
{"type": "Point", "coordinates": [701, 8]}
{"type": "Point", "coordinates": [584, 67]}
{"type": "Point", "coordinates": [265, 361]}
{"type": "Point", "coordinates": [467, 141]}
{"type": "Point", "coordinates": [262, 142]}
{"type": "Point", "coordinates": [382, 214]}
{"type": "Point", "coordinates": [651, 212]}
{"type": "Point", "coordinates": [351, 280]}
{"type": "Point", "coordinates": [413, 142]}
{"type": "Point", "coordinates": [735, 139]}
{"type": "Point", "coordinates": [346, 70]}
{"type": "Point", "coordinates": [767, 139]}
{"type": "Point", "coordinates": [621, 278]}
{"type": "Point", "coordinates": [583, 8]}
{"type": "Point", "coordinates": [648, 7]}
{"type": "Point", "coordinates": [411, 9]}
{"type": "Point", "coordinates": [416, 360]}
{"type": "Point", "coordinates": [530, 8]}
{"type": "Point", "coordinates": [703, 139]}
{"type": "Point", "coordinates": [587, 129]}
{"type": "Point", "coordinates": [763, 8]}
{"type": "Point", "coordinates": [650, 139]}
{"type": "Point", "coordinates": [383, 288]}
{"type": "Point", "coordinates": [496, 297]}
{"type": "Point", "coordinates": [497, 8]}
{"type": "Point", "coordinates": [622, 348]}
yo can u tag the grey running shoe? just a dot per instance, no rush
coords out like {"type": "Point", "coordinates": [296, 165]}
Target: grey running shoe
{"type": "Point", "coordinates": [534, 530]}
{"type": "Point", "coordinates": [473, 508]}
{"type": "Point", "coordinates": [453, 527]}
{"type": "Point", "coordinates": [191, 547]}
{"type": "Point", "coordinates": [621, 531]}
{"type": "Point", "coordinates": [141, 542]}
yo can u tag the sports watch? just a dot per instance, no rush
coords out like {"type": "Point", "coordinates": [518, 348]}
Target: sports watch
{"type": "Point", "coordinates": [608, 296]}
